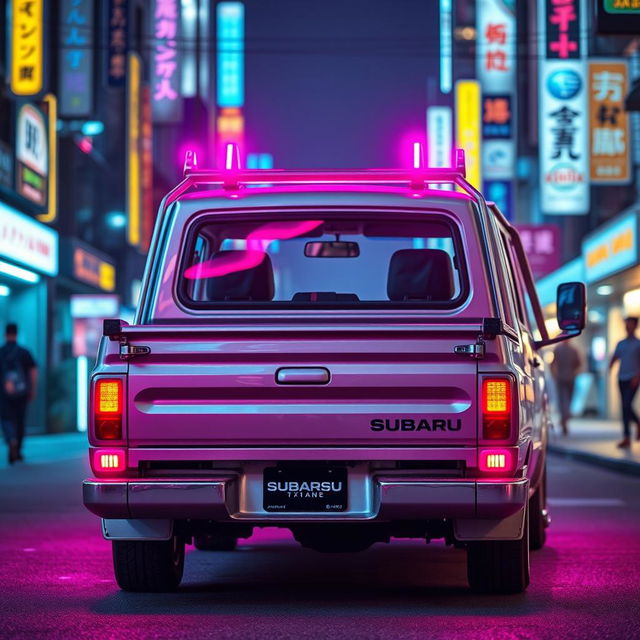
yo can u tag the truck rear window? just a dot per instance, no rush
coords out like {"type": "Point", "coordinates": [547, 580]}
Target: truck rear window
{"type": "Point", "coordinates": [322, 260]}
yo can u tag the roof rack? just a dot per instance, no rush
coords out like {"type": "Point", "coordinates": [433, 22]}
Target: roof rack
{"type": "Point", "coordinates": [233, 177]}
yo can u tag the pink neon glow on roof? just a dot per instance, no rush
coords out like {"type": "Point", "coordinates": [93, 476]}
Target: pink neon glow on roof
{"type": "Point", "coordinates": [417, 155]}
{"type": "Point", "coordinates": [323, 188]}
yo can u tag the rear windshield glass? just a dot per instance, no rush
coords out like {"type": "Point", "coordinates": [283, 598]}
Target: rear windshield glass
{"type": "Point", "coordinates": [322, 260]}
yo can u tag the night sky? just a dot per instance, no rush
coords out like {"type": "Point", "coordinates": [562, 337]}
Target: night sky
{"type": "Point", "coordinates": [338, 83]}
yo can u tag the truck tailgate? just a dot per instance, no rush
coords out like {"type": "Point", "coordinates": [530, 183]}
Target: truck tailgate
{"type": "Point", "coordinates": [217, 388]}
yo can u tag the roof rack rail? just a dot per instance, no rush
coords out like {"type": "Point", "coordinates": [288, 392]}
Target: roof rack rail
{"type": "Point", "coordinates": [232, 177]}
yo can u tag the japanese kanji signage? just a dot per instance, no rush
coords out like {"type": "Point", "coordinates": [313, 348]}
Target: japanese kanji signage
{"type": "Point", "coordinates": [439, 136]}
{"type": "Point", "coordinates": [542, 246]}
{"type": "Point", "coordinates": [562, 29]}
{"type": "Point", "coordinates": [118, 34]}
{"type": "Point", "coordinates": [467, 95]}
{"type": "Point", "coordinates": [498, 148]}
{"type": "Point", "coordinates": [496, 70]}
{"type": "Point", "coordinates": [497, 116]}
{"type": "Point", "coordinates": [496, 56]}
{"type": "Point", "coordinates": [75, 60]}
{"type": "Point", "coordinates": [564, 143]}
{"type": "Point", "coordinates": [165, 65]}
{"type": "Point", "coordinates": [609, 122]}
{"type": "Point", "coordinates": [26, 47]}
{"type": "Point", "coordinates": [32, 155]}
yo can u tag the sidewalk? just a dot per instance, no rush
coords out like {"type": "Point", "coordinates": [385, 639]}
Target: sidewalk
{"type": "Point", "coordinates": [594, 441]}
{"type": "Point", "coordinates": [49, 448]}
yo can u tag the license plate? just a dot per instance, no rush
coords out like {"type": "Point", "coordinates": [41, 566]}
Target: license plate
{"type": "Point", "coordinates": [305, 489]}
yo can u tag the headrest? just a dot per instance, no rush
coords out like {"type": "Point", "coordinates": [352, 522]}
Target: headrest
{"type": "Point", "coordinates": [420, 274]}
{"type": "Point", "coordinates": [324, 296]}
{"type": "Point", "coordinates": [251, 280]}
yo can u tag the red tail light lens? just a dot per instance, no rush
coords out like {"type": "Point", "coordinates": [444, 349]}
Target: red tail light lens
{"type": "Point", "coordinates": [108, 460]}
{"type": "Point", "coordinates": [108, 408]}
{"type": "Point", "coordinates": [496, 408]}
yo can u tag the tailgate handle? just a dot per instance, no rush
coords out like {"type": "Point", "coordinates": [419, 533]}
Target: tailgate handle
{"type": "Point", "coordinates": [303, 375]}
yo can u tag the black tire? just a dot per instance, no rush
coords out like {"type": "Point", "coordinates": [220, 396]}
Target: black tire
{"type": "Point", "coordinates": [499, 566]}
{"type": "Point", "coordinates": [213, 542]}
{"type": "Point", "coordinates": [538, 515]}
{"type": "Point", "coordinates": [142, 565]}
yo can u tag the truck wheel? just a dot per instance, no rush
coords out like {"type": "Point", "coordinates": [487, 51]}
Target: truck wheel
{"type": "Point", "coordinates": [142, 565]}
{"type": "Point", "coordinates": [538, 518]}
{"type": "Point", "coordinates": [213, 542]}
{"type": "Point", "coordinates": [499, 566]}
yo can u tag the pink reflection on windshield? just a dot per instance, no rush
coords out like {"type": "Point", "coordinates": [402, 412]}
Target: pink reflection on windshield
{"type": "Point", "coordinates": [257, 242]}
{"type": "Point", "coordinates": [224, 264]}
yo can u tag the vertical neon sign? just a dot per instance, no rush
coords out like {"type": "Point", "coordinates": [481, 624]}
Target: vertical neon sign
{"type": "Point", "coordinates": [446, 47]}
{"type": "Point", "coordinates": [26, 47]}
{"type": "Point", "coordinates": [230, 76]}
{"type": "Point", "coordinates": [165, 66]}
{"type": "Point", "coordinates": [133, 151]}
{"type": "Point", "coordinates": [468, 127]}
{"type": "Point", "coordinates": [563, 108]}
{"type": "Point", "coordinates": [496, 70]}
{"type": "Point", "coordinates": [230, 33]}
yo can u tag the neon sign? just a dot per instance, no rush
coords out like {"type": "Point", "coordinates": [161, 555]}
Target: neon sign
{"type": "Point", "coordinates": [165, 82]}
{"type": "Point", "coordinates": [76, 58]}
{"type": "Point", "coordinates": [26, 47]}
{"type": "Point", "coordinates": [230, 34]}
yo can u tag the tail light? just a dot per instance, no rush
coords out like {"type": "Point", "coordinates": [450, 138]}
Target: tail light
{"type": "Point", "coordinates": [496, 460]}
{"type": "Point", "coordinates": [108, 460]}
{"type": "Point", "coordinates": [108, 408]}
{"type": "Point", "coordinates": [496, 408]}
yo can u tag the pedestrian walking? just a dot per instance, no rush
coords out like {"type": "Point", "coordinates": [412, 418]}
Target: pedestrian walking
{"type": "Point", "coordinates": [628, 353]}
{"type": "Point", "coordinates": [18, 378]}
{"type": "Point", "coordinates": [566, 364]}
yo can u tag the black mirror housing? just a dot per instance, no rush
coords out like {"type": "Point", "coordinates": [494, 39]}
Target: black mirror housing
{"type": "Point", "coordinates": [571, 306]}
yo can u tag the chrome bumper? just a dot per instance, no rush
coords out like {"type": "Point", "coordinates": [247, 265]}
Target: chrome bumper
{"type": "Point", "coordinates": [382, 498]}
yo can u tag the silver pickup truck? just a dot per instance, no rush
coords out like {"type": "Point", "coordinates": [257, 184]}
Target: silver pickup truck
{"type": "Point", "coordinates": [352, 355]}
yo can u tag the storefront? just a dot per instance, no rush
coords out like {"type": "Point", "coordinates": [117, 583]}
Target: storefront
{"type": "Point", "coordinates": [609, 265]}
{"type": "Point", "coordinates": [28, 261]}
{"type": "Point", "coordinates": [611, 272]}
{"type": "Point", "coordinates": [83, 296]}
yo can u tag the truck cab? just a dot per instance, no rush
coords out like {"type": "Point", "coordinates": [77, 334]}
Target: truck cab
{"type": "Point", "coordinates": [353, 355]}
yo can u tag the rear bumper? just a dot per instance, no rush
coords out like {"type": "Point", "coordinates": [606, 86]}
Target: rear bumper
{"type": "Point", "coordinates": [227, 498]}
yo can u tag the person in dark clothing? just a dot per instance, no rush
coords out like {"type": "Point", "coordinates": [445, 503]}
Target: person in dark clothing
{"type": "Point", "coordinates": [18, 381]}
{"type": "Point", "coordinates": [628, 353]}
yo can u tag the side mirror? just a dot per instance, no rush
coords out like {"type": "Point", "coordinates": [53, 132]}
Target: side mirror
{"type": "Point", "coordinates": [571, 306]}
{"type": "Point", "coordinates": [571, 311]}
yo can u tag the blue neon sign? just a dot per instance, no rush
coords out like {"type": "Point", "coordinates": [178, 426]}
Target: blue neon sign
{"type": "Point", "coordinates": [230, 38]}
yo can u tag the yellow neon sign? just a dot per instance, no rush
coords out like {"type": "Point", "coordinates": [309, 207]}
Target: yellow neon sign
{"type": "Point", "coordinates": [26, 47]}
{"type": "Point", "coordinates": [134, 211]}
{"type": "Point", "coordinates": [52, 195]}
{"type": "Point", "coordinates": [468, 127]}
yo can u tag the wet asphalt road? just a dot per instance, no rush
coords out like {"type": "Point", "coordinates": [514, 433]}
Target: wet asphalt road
{"type": "Point", "coordinates": [56, 578]}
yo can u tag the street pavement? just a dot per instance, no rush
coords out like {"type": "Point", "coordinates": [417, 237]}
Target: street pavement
{"type": "Point", "coordinates": [594, 441]}
{"type": "Point", "coordinates": [56, 576]}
